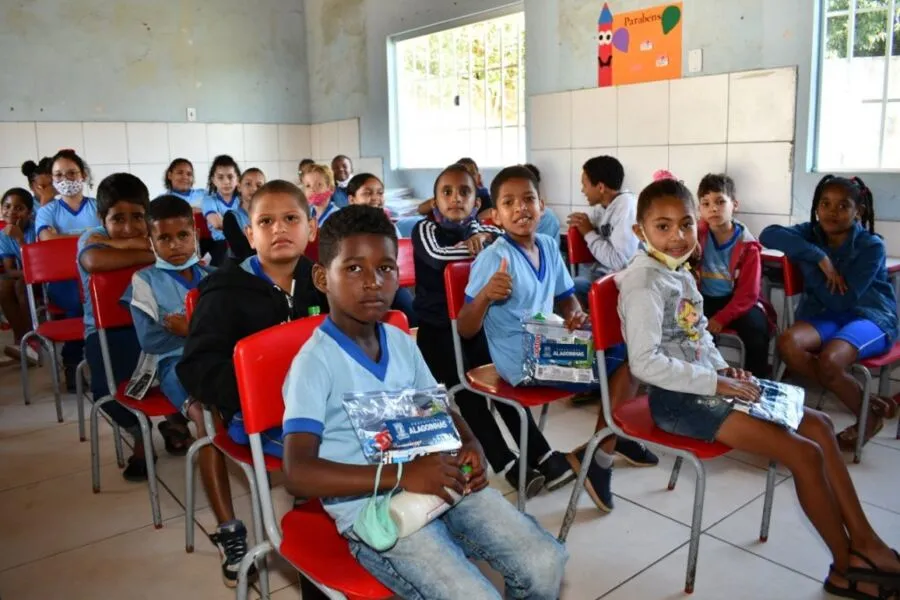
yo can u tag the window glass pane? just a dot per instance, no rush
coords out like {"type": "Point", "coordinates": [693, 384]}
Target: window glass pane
{"type": "Point", "coordinates": [511, 145]}
{"type": "Point", "coordinates": [447, 53]}
{"type": "Point", "coordinates": [896, 49]}
{"type": "Point", "coordinates": [477, 44]}
{"type": "Point", "coordinates": [870, 37]}
{"type": "Point", "coordinates": [493, 45]}
{"type": "Point", "coordinates": [494, 154]}
{"type": "Point", "coordinates": [872, 4]}
{"type": "Point", "coordinates": [477, 106]}
{"type": "Point", "coordinates": [836, 36]}
{"type": "Point", "coordinates": [838, 4]}
{"type": "Point", "coordinates": [434, 51]}
{"type": "Point", "coordinates": [494, 97]}
{"type": "Point", "coordinates": [510, 95]}
{"type": "Point", "coordinates": [891, 158]}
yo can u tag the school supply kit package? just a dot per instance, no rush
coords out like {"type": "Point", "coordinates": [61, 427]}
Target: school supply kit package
{"type": "Point", "coordinates": [553, 354]}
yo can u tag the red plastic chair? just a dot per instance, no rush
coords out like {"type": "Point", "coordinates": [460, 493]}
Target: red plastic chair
{"type": "Point", "coordinates": [202, 227]}
{"type": "Point", "coordinates": [42, 263]}
{"type": "Point", "coordinates": [109, 313]}
{"type": "Point", "coordinates": [485, 380]}
{"type": "Point", "coordinates": [312, 250]}
{"type": "Point", "coordinates": [631, 419]}
{"type": "Point", "coordinates": [406, 263]}
{"type": "Point", "coordinates": [579, 253]}
{"type": "Point", "coordinates": [310, 542]}
{"type": "Point", "coordinates": [885, 363]}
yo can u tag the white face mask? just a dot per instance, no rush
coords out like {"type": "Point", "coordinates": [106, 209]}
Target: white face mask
{"type": "Point", "coordinates": [68, 188]}
{"type": "Point", "coordinates": [671, 262]}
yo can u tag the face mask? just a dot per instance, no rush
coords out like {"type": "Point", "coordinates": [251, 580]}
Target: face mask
{"type": "Point", "coordinates": [319, 199]}
{"type": "Point", "coordinates": [68, 188]}
{"type": "Point", "coordinates": [165, 265]}
{"type": "Point", "coordinates": [670, 261]}
{"type": "Point", "coordinates": [446, 223]}
{"type": "Point", "coordinates": [374, 524]}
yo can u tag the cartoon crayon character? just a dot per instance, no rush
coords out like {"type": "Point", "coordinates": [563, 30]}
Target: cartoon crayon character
{"type": "Point", "coordinates": [604, 47]}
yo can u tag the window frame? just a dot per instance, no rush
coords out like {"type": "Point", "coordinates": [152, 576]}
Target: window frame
{"type": "Point", "coordinates": [393, 79]}
{"type": "Point", "coordinates": [821, 40]}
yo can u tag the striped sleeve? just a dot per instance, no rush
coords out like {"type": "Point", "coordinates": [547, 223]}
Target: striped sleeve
{"type": "Point", "coordinates": [427, 247]}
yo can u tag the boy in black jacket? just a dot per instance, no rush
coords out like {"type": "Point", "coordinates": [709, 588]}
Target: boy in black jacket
{"type": "Point", "coordinates": [267, 289]}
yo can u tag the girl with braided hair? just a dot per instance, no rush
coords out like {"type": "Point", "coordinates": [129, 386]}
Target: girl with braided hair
{"type": "Point", "coordinates": [848, 311]}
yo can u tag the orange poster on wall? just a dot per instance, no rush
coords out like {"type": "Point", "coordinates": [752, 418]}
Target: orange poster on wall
{"type": "Point", "coordinates": [639, 46]}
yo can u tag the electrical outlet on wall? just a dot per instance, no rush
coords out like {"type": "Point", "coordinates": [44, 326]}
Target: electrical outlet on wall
{"type": "Point", "coordinates": [191, 114]}
{"type": "Point", "coordinates": [695, 61]}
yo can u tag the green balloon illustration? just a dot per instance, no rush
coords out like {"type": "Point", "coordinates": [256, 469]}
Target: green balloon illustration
{"type": "Point", "coordinates": [670, 17]}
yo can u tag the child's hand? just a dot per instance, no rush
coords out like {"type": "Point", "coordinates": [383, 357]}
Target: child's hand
{"type": "Point", "coordinates": [176, 324]}
{"type": "Point", "coordinates": [577, 320]}
{"type": "Point", "coordinates": [835, 281]}
{"type": "Point", "coordinates": [472, 454]}
{"type": "Point", "coordinates": [733, 373]}
{"type": "Point", "coordinates": [435, 474]}
{"type": "Point", "coordinates": [214, 221]}
{"type": "Point", "coordinates": [477, 242]}
{"type": "Point", "coordinates": [581, 222]}
{"type": "Point", "coordinates": [714, 327]}
{"type": "Point", "coordinates": [499, 288]}
{"type": "Point", "coordinates": [736, 388]}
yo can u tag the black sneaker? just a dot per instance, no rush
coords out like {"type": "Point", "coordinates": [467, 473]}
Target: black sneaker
{"type": "Point", "coordinates": [636, 453]}
{"type": "Point", "coordinates": [556, 471]}
{"type": "Point", "coordinates": [598, 482]}
{"type": "Point", "coordinates": [534, 481]}
{"type": "Point", "coordinates": [70, 371]}
{"type": "Point", "coordinates": [231, 540]}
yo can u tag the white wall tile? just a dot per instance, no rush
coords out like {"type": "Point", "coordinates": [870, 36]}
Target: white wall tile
{"type": "Point", "coordinates": [348, 137]}
{"type": "Point", "coordinates": [373, 165]}
{"type": "Point", "coordinates": [698, 109]}
{"type": "Point", "coordinates": [756, 223]}
{"type": "Point", "coordinates": [18, 143]}
{"type": "Point", "coordinates": [891, 232]}
{"type": "Point", "coordinates": [691, 163]}
{"type": "Point", "coordinates": [315, 141]}
{"type": "Point", "coordinates": [551, 121]}
{"type": "Point", "coordinates": [105, 143]}
{"type": "Point", "coordinates": [12, 177]}
{"type": "Point", "coordinates": [188, 140]}
{"type": "Point", "coordinates": [643, 114]}
{"type": "Point", "coordinates": [762, 105]}
{"type": "Point", "coordinates": [260, 143]}
{"type": "Point", "coordinates": [594, 117]}
{"type": "Point", "coordinates": [294, 143]}
{"type": "Point", "coordinates": [99, 172]}
{"type": "Point", "coordinates": [147, 143]}
{"type": "Point", "coordinates": [269, 168]}
{"type": "Point", "coordinates": [562, 213]}
{"type": "Point", "coordinates": [329, 144]}
{"type": "Point", "coordinates": [762, 174]}
{"type": "Point", "coordinates": [226, 139]}
{"type": "Point", "coordinates": [201, 174]}
{"type": "Point", "coordinates": [152, 176]}
{"type": "Point", "coordinates": [53, 137]}
{"type": "Point", "coordinates": [640, 163]}
{"type": "Point", "coordinates": [287, 170]}
{"type": "Point", "coordinates": [579, 157]}
{"type": "Point", "coordinates": [556, 170]}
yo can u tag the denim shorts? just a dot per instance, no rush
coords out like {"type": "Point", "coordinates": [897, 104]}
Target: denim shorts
{"type": "Point", "coordinates": [698, 417]}
{"type": "Point", "coordinates": [864, 335]}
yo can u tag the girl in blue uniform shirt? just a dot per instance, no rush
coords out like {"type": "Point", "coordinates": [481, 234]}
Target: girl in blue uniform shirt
{"type": "Point", "coordinates": [222, 185]}
{"type": "Point", "coordinates": [39, 180]}
{"type": "Point", "coordinates": [69, 215]}
{"type": "Point", "coordinates": [179, 181]}
{"type": "Point", "coordinates": [235, 222]}
{"type": "Point", "coordinates": [318, 185]}
{"type": "Point", "coordinates": [18, 212]}
{"type": "Point", "coordinates": [848, 311]}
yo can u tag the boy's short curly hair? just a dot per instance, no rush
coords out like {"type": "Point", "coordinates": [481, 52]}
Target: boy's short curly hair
{"type": "Point", "coordinates": [356, 219]}
{"type": "Point", "coordinates": [169, 206]}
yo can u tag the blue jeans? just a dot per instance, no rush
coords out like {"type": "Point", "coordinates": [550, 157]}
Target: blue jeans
{"type": "Point", "coordinates": [124, 352]}
{"type": "Point", "coordinates": [66, 295]}
{"type": "Point", "coordinates": [433, 563]}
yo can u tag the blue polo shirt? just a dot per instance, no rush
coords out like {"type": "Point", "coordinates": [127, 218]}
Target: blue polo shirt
{"type": "Point", "coordinates": [193, 197]}
{"type": "Point", "coordinates": [9, 248]}
{"type": "Point", "coordinates": [215, 204]}
{"type": "Point", "coordinates": [56, 214]}
{"type": "Point", "coordinates": [716, 279]}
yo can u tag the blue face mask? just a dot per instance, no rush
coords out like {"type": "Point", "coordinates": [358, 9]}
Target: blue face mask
{"type": "Point", "coordinates": [167, 266]}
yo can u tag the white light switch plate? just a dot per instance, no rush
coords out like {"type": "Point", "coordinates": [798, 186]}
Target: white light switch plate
{"type": "Point", "coordinates": [695, 61]}
{"type": "Point", "coordinates": [191, 114]}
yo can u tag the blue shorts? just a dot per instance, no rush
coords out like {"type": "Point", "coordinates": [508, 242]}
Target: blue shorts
{"type": "Point", "coordinates": [170, 384]}
{"type": "Point", "coordinates": [615, 358]}
{"type": "Point", "coordinates": [864, 335]}
{"type": "Point", "coordinates": [272, 439]}
{"type": "Point", "coordinates": [698, 417]}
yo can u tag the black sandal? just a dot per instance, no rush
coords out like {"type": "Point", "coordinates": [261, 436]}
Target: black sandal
{"type": "Point", "coordinates": [889, 580]}
{"type": "Point", "coordinates": [177, 439]}
{"type": "Point", "coordinates": [851, 590]}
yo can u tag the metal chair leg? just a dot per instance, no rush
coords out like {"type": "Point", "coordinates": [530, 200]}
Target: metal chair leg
{"type": "Point", "coordinates": [57, 398]}
{"type": "Point", "coordinates": [259, 550]}
{"type": "Point", "coordinates": [26, 392]}
{"type": "Point", "coordinates": [696, 523]}
{"type": "Point", "coordinates": [95, 442]}
{"type": "Point", "coordinates": [258, 531]}
{"type": "Point", "coordinates": [767, 503]}
{"type": "Point", "coordinates": [79, 397]}
{"type": "Point", "coordinates": [523, 455]}
{"type": "Point", "coordinates": [152, 483]}
{"type": "Point", "coordinates": [189, 475]}
{"type": "Point", "coordinates": [117, 440]}
{"type": "Point", "coordinates": [676, 469]}
{"type": "Point", "coordinates": [544, 413]}
{"type": "Point", "coordinates": [589, 451]}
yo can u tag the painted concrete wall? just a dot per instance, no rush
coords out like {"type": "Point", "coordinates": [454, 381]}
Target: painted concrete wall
{"type": "Point", "coordinates": [140, 60]}
{"type": "Point", "coordinates": [734, 35]}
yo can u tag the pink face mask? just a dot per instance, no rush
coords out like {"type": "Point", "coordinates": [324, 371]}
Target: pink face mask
{"type": "Point", "coordinates": [319, 199]}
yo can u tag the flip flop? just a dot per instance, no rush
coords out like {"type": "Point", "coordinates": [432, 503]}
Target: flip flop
{"type": "Point", "coordinates": [847, 438]}
{"type": "Point", "coordinates": [887, 580]}
{"type": "Point", "coordinates": [851, 590]}
{"type": "Point", "coordinates": [883, 407]}
{"type": "Point", "coordinates": [177, 439]}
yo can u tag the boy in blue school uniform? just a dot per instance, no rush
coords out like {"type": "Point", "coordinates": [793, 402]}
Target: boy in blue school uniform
{"type": "Point", "coordinates": [518, 276]}
{"type": "Point", "coordinates": [354, 352]}
{"type": "Point", "coordinates": [342, 167]}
